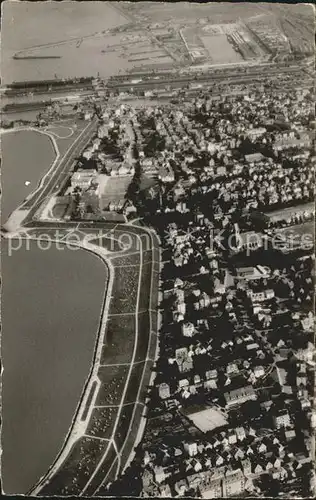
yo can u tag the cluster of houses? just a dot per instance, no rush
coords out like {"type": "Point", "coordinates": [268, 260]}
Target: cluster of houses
{"type": "Point", "coordinates": [246, 368]}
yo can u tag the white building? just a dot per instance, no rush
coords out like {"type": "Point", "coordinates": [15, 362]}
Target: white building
{"type": "Point", "coordinates": [83, 178]}
{"type": "Point", "coordinates": [282, 419]}
{"type": "Point", "coordinates": [164, 391]}
{"type": "Point", "coordinates": [188, 329]}
{"type": "Point", "coordinates": [191, 449]}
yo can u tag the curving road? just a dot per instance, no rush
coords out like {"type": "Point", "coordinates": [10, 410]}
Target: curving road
{"type": "Point", "coordinates": [61, 173]}
{"type": "Point", "coordinates": [108, 452]}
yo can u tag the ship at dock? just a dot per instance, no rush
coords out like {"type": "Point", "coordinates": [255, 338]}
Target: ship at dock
{"type": "Point", "coordinates": [17, 57]}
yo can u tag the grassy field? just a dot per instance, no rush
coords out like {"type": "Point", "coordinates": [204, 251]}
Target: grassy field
{"type": "Point", "coordinates": [123, 425]}
{"type": "Point", "coordinates": [155, 292]}
{"type": "Point", "coordinates": [102, 422]}
{"type": "Point", "coordinates": [79, 465]}
{"type": "Point", "coordinates": [128, 236]}
{"type": "Point", "coordinates": [114, 189]}
{"type": "Point", "coordinates": [143, 336]}
{"type": "Point", "coordinates": [152, 347]}
{"type": "Point", "coordinates": [147, 374]}
{"type": "Point", "coordinates": [145, 284]}
{"type": "Point", "coordinates": [120, 339]}
{"type": "Point", "coordinates": [147, 256]}
{"type": "Point", "coordinates": [133, 385]}
{"type": "Point", "coordinates": [128, 448]}
{"type": "Point", "coordinates": [110, 476]}
{"type": "Point", "coordinates": [105, 467]}
{"type": "Point", "coordinates": [113, 379]}
{"type": "Point", "coordinates": [128, 260]}
{"type": "Point", "coordinates": [125, 290]}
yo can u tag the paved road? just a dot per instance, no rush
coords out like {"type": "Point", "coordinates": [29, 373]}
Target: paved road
{"type": "Point", "coordinates": [61, 173]}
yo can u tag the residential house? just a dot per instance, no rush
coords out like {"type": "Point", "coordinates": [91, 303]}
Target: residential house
{"type": "Point", "coordinates": [165, 491]}
{"type": "Point", "coordinates": [184, 361]}
{"type": "Point", "coordinates": [239, 396]}
{"type": "Point", "coordinates": [160, 475]}
{"type": "Point", "coordinates": [246, 467]}
{"type": "Point", "coordinates": [211, 488]}
{"type": "Point", "coordinates": [188, 329]}
{"type": "Point", "coordinates": [240, 433]}
{"type": "Point", "coordinates": [83, 179]}
{"type": "Point", "coordinates": [282, 419]}
{"type": "Point", "coordinates": [164, 391]}
{"type": "Point", "coordinates": [233, 484]}
{"type": "Point", "coordinates": [191, 448]}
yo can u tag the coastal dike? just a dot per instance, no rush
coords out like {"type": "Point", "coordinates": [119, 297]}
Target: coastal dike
{"type": "Point", "coordinates": [125, 351]}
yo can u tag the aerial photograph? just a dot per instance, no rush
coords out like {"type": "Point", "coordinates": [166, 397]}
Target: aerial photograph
{"type": "Point", "coordinates": [158, 249]}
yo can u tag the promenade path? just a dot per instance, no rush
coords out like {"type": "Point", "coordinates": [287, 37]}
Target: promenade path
{"type": "Point", "coordinates": [110, 417]}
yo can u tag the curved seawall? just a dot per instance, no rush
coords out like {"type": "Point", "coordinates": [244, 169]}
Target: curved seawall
{"type": "Point", "coordinates": [48, 344]}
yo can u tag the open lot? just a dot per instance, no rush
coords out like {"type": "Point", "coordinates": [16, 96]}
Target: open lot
{"type": "Point", "coordinates": [113, 189]}
{"type": "Point", "coordinates": [208, 419]}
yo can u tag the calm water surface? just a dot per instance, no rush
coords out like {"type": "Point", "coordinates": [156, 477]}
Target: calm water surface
{"type": "Point", "coordinates": [29, 24]}
{"type": "Point", "coordinates": [51, 303]}
{"type": "Point", "coordinates": [26, 156]}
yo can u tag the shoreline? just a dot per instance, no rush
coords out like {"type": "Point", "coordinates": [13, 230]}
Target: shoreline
{"type": "Point", "coordinates": [41, 182]}
{"type": "Point", "coordinates": [78, 426]}
{"type": "Point", "coordinates": [42, 179]}
{"type": "Point", "coordinates": [92, 384]}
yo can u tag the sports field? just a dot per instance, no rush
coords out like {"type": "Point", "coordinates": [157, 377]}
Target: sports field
{"type": "Point", "coordinates": [207, 420]}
